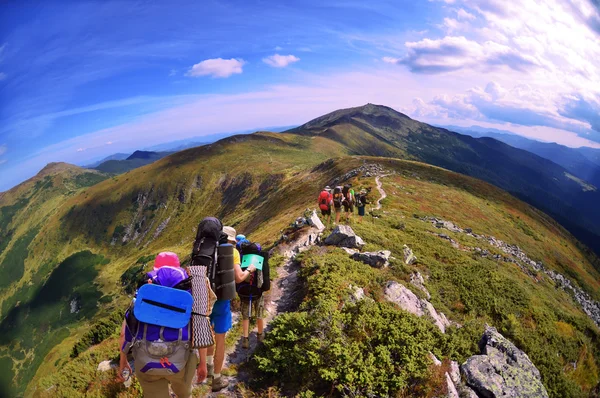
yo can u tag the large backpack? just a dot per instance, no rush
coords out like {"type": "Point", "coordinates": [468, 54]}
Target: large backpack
{"type": "Point", "coordinates": [259, 281]}
{"type": "Point", "coordinates": [347, 196]}
{"type": "Point", "coordinates": [158, 324]}
{"type": "Point", "coordinates": [338, 196]}
{"type": "Point", "coordinates": [218, 259]}
{"type": "Point", "coordinates": [324, 200]}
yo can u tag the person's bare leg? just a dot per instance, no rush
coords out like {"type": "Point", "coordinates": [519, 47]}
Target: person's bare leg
{"type": "Point", "coordinates": [245, 327]}
{"type": "Point", "coordinates": [219, 352]}
{"type": "Point", "coordinates": [260, 325]}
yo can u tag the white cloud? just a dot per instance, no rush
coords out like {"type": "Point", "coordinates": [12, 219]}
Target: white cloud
{"type": "Point", "coordinates": [217, 67]}
{"type": "Point", "coordinates": [2, 161]}
{"type": "Point", "coordinates": [80, 149]}
{"type": "Point", "coordinates": [3, 149]}
{"type": "Point", "coordinates": [391, 60]}
{"type": "Point", "coordinates": [172, 72]}
{"type": "Point", "coordinates": [278, 48]}
{"type": "Point", "coordinates": [280, 61]}
{"type": "Point", "coordinates": [2, 76]}
{"type": "Point", "coordinates": [109, 143]}
{"type": "Point", "coordinates": [462, 14]}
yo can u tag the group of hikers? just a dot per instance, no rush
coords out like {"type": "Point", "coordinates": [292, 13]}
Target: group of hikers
{"type": "Point", "coordinates": [342, 196]}
{"type": "Point", "coordinates": [175, 327]}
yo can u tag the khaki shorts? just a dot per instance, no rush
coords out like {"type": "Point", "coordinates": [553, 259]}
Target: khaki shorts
{"type": "Point", "coordinates": [258, 308]}
{"type": "Point", "coordinates": [181, 383]}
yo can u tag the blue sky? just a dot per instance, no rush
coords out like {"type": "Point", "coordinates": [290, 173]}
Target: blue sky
{"type": "Point", "coordinates": [81, 80]}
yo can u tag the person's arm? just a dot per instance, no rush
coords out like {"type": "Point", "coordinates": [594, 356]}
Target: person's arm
{"type": "Point", "coordinates": [242, 275]}
{"type": "Point", "coordinates": [202, 371]}
{"type": "Point", "coordinates": [123, 362]}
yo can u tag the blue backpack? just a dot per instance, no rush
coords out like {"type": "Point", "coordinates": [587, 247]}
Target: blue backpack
{"type": "Point", "coordinates": [158, 326]}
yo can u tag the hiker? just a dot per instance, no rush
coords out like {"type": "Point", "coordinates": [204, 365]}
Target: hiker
{"type": "Point", "coordinates": [338, 198]}
{"type": "Point", "coordinates": [361, 203]}
{"type": "Point", "coordinates": [251, 290]}
{"type": "Point", "coordinates": [325, 202]}
{"type": "Point", "coordinates": [348, 201]}
{"type": "Point", "coordinates": [161, 349]}
{"type": "Point", "coordinates": [220, 318]}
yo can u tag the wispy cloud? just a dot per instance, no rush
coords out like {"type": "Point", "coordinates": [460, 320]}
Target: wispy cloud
{"type": "Point", "coordinates": [3, 149]}
{"type": "Point", "coordinates": [217, 67]}
{"type": "Point", "coordinates": [280, 61]}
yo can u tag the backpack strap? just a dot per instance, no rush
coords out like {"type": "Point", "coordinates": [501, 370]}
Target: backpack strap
{"type": "Point", "coordinates": [145, 331]}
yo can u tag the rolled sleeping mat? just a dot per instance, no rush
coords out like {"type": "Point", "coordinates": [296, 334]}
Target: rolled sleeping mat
{"type": "Point", "coordinates": [225, 279]}
{"type": "Point", "coordinates": [201, 331]}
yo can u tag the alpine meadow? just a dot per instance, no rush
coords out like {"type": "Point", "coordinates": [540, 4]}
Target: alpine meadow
{"type": "Point", "coordinates": [75, 242]}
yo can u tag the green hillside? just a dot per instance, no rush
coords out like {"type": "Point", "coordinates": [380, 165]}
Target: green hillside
{"type": "Point", "coordinates": [80, 243]}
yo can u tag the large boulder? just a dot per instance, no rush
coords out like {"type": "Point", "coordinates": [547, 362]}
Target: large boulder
{"type": "Point", "coordinates": [344, 236]}
{"type": "Point", "coordinates": [404, 298]}
{"type": "Point", "coordinates": [378, 259]}
{"type": "Point", "coordinates": [502, 370]}
{"type": "Point", "coordinates": [408, 301]}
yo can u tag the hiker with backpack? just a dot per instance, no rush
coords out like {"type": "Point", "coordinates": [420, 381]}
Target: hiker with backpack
{"type": "Point", "coordinates": [157, 331]}
{"type": "Point", "coordinates": [348, 201]}
{"type": "Point", "coordinates": [325, 202]}
{"type": "Point", "coordinates": [251, 290]}
{"type": "Point", "coordinates": [338, 198]}
{"type": "Point", "coordinates": [361, 203]}
{"type": "Point", "coordinates": [215, 258]}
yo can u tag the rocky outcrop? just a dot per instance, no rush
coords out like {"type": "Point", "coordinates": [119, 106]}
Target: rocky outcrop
{"type": "Point", "coordinates": [409, 257]}
{"type": "Point", "coordinates": [378, 259]}
{"type": "Point", "coordinates": [515, 255]}
{"type": "Point", "coordinates": [408, 301]}
{"type": "Point", "coordinates": [344, 236]}
{"type": "Point", "coordinates": [502, 370]}
{"type": "Point", "coordinates": [366, 170]}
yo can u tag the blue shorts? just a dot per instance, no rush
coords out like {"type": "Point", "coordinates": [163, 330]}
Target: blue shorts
{"type": "Point", "coordinates": [220, 317]}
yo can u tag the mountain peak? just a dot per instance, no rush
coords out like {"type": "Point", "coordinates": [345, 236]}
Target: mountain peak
{"type": "Point", "coordinates": [142, 155]}
{"type": "Point", "coordinates": [57, 167]}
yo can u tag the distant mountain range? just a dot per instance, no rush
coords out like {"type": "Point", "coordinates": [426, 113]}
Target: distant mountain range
{"type": "Point", "coordinates": [582, 162]}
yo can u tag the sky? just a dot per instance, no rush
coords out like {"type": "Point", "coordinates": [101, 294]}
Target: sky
{"type": "Point", "coordinates": [82, 80]}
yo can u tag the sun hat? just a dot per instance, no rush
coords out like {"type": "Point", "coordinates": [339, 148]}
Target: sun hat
{"type": "Point", "coordinates": [166, 259]}
{"type": "Point", "coordinates": [230, 231]}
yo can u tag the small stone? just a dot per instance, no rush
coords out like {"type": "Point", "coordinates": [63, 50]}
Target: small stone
{"type": "Point", "coordinates": [104, 366]}
{"type": "Point", "coordinates": [409, 257]}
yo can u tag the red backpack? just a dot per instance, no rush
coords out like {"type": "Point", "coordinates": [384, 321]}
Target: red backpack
{"type": "Point", "coordinates": [324, 200]}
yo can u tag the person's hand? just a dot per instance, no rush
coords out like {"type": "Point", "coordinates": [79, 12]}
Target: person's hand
{"type": "Point", "coordinates": [123, 364]}
{"type": "Point", "coordinates": [201, 373]}
{"type": "Point", "coordinates": [251, 268]}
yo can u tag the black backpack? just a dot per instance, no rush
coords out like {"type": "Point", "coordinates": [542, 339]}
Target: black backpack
{"type": "Point", "coordinates": [205, 252]}
{"type": "Point", "coordinates": [260, 280]}
{"type": "Point", "coordinates": [338, 197]}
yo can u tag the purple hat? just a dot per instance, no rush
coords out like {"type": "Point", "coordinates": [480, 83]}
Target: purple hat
{"type": "Point", "coordinates": [168, 276]}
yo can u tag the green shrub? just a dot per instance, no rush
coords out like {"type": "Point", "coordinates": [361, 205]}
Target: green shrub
{"type": "Point", "coordinates": [99, 332]}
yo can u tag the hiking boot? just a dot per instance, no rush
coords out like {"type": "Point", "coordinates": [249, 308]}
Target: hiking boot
{"type": "Point", "coordinates": [219, 384]}
{"type": "Point", "coordinates": [245, 342]}
{"type": "Point", "coordinates": [260, 337]}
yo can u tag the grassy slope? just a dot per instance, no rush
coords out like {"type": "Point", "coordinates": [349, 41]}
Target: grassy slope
{"type": "Point", "coordinates": [472, 290]}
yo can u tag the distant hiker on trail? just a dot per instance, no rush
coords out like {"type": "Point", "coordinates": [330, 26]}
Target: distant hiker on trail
{"type": "Point", "coordinates": [361, 202]}
{"type": "Point", "coordinates": [157, 331]}
{"type": "Point", "coordinates": [338, 198]}
{"type": "Point", "coordinates": [348, 201]}
{"type": "Point", "coordinates": [325, 202]}
{"type": "Point", "coordinates": [250, 291]}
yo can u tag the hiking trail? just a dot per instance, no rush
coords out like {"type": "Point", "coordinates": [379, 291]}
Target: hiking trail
{"type": "Point", "coordinates": [381, 192]}
{"type": "Point", "coordinates": [284, 296]}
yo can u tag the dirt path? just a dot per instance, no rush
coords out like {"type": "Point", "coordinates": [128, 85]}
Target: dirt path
{"type": "Point", "coordinates": [284, 296]}
{"type": "Point", "coordinates": [381, 192]}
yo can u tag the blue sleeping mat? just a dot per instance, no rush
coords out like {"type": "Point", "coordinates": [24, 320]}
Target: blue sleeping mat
{"type": "Point", "coordinates": [163, 306]}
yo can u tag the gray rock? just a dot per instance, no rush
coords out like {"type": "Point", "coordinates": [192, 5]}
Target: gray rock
{"type": "Point", "coordinates": [416, 279]}
{"type": "Point", "coordinates": [403, 297]}
{"type": "Point", "coordinates": [452, 392]}
{"type": "Point", "coordinates": [409, 257]}
{"type": "Point", "coordinates": [434, 359]}
{"type": "Point", "coordinates": [374, 259]}
{"type": "Point", "coordinates": [350, 251]}
{"type": "Point", "coordinates": [408, 301]}
{"type": "Point", "coordinates": [357, 294]}
{"type": "Point", "coordinates": [315, 221]}
{"type": "Point", "coordinates": [344, 236]}
{"type": "Point", "coordinates": [105, 366]}
{"type": "Point", "coordinates": [502, 370]}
